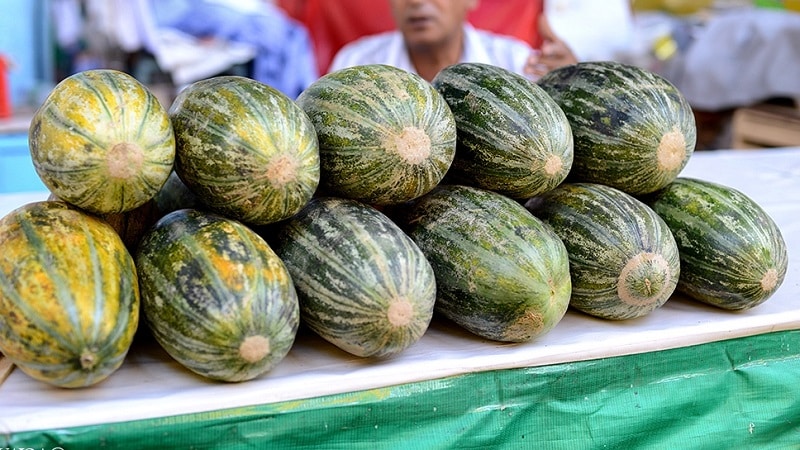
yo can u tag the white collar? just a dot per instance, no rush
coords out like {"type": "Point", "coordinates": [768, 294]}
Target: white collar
{"type": "Point", "coordinates": [473, 51]}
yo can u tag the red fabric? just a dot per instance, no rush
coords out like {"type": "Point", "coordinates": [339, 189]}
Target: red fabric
{"type": "Point", "coordinates": [334, 23]}
{"type": "Point", "coordinates": [5, 93]}
{"type": "Point", "coordinates": [518, 18]}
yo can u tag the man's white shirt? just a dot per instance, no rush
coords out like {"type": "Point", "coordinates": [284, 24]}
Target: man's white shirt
{"type": "Point", "coordinates": [479, 46]}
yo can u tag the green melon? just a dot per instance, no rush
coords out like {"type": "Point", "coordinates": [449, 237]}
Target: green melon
{"type": "Point", "coordinates": [633, 129]}
{"type": "Point", "coordinates": [175, 195]}
{"type": "Point", "coordinates": [102, 141]}
{"type": "Point", "coordinates": [215, 295]}
{"type": "Point", "coordinates": [363, 284]}
{"type": "Point", "coordinates": [244, 149]}
{"type": "Point", "coordinates": [69, 298]}
{"type": "Point", "coordinates": [512, 137]}
{"type": "Point", "coordinates": [733, 255]}
{"type": "Point", "coordinates": [386, 136]}
{"type": "Point", "coordinates": [623, 258]}
{"type": "Point", "coordinates": [501, 273]}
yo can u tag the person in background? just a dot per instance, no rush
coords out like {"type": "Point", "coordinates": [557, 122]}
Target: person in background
{"type": "Point", "coordinates": [433, 34]}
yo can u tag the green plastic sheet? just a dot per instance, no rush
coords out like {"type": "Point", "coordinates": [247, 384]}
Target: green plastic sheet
{"type": "Point", "coordinates": [738, 393]}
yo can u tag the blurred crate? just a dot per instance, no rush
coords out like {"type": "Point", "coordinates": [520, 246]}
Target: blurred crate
{"type": "Point", "coordinates": [766, 125]}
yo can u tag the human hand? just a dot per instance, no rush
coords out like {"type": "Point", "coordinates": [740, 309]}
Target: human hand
{"type": "Point", "coordinates": [554, 53]}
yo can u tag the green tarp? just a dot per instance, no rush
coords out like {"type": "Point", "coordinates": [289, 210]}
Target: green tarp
{"type": "Point", "coordinates": [738, 393]}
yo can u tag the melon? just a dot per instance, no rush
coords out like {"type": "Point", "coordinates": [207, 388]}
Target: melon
{"type": "Point", "coordinates": [386, 136]}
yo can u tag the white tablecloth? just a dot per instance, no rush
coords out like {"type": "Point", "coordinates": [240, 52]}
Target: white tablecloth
{"type": "Point", "coordinates": [151, 385]}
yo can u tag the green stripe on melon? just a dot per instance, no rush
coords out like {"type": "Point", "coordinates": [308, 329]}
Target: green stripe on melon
{"type": "Point", "coordinates": [512, 137]}
{"type": "Point", "coordinates": [385, 135]}
{"type": "Point", "coordinates": [733, 255]}
{"type": "Point", "coordinates": [69, 297]}
{"type": "Point", "coordinates": [244, 149]}
{"type": "Point", "coordinates": [501, 273]}
{"type": "Point", "coordinates": [623, 258]}
{"type": "Point", "coordinates": [363, 284]}
{"type": "Point", "coordinates": [633, 129]}
{"type": "Point", "coordinates": [102, 141]}
{"type": "Point", "coordinates": [215, 295]}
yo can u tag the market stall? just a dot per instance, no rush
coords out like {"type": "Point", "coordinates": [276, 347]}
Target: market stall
{"type": "Point", "coordinates": [687, 376]}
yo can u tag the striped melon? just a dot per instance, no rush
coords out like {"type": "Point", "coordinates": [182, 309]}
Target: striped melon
{"type": "Point", "coordinates": [102, 141]}
{"type": "Point", "coordinates": [501, 273]}
{"type": "Point", "coordinates": [623, 258]}
{"type": "Point", "coordinates": [244, 149]}
{"type": "Point", "coordinates": [732, 253]}
{"type": "Point", "coordinates": [363, 284]}
{"type": "Point", "coordinates": [215, 295]}
{"type": "Point", "coordinates": [633, 129]}
{"type": "Point", "coordinates": [512, 137]}
{"type": "Point", "coordinates": [385, 135]}
{"type": "Point", "coordinates": [69, 298]}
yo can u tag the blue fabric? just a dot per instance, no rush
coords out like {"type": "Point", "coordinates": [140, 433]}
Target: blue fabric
{"type": "Point", "coordinates": [285, 58]}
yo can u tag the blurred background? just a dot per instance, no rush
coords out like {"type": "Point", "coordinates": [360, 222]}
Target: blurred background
{"type": "Point", "coordinates": [736, 61]}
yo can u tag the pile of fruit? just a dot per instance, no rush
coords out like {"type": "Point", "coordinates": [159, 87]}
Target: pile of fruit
{"type": "Point", "coordinates": [363, 208]}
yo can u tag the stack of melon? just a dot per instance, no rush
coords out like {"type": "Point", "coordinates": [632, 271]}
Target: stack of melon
{"type": "Point", "coordinates": [372, 203]}
{"type": "Point", "coordinates": [634, 132]}
{"type": "Point", "coordinates": [214, 294]}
